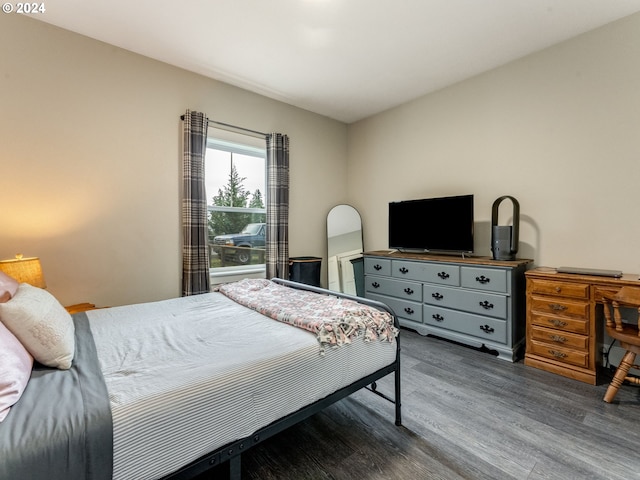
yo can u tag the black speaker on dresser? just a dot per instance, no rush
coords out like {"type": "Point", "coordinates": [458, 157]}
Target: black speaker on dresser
{"type": "Point", "coordinates": [505, 239]}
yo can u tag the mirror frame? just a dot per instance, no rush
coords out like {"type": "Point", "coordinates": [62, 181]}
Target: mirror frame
{"type": "Point", "coordinates": [344, 226]}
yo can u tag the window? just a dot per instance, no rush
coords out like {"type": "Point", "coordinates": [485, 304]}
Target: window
{"type": "Point", "coordinates": [235, 183]}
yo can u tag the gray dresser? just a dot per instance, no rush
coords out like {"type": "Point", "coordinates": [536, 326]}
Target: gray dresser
{"type": "Point", "coordinates": [475, 301]}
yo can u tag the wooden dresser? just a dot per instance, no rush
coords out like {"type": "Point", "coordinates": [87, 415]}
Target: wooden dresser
{"type": "Point", "coordinates": [564, 321]}
{"type": "Point", "coordinates": [475, 301]}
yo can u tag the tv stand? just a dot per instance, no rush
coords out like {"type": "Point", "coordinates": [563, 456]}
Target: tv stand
{"type": "Point", "coordinates": [476, 301]}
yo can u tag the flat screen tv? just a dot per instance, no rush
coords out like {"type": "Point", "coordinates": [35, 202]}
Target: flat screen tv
{"type": "Point", "coordinates": [438, 225]}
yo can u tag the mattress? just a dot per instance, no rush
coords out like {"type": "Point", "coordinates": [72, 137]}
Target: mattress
{"type": "Point", "coordinates": [189, 375]}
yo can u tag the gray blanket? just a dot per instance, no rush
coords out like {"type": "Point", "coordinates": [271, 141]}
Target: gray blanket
{"type": "Point", "coordinates": [61, 427]}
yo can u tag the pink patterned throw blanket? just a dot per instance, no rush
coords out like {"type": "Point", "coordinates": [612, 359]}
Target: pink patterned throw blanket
{"type": "Point", "coordinates": [335, 321]}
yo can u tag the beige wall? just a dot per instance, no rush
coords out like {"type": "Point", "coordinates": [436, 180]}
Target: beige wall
{"type": "Point", "coordinates": [90, 162]}
{"type": "Point", "coordinates": [559, 130]}
{"type": "Point", "coordinates": [90, 157]}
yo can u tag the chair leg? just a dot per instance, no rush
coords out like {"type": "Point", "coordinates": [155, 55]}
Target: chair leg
{"type": "Point", "coordinates": [623, 369]}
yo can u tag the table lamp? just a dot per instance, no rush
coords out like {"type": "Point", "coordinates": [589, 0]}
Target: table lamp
{"type": "Point", "coordinates": [24, 270]}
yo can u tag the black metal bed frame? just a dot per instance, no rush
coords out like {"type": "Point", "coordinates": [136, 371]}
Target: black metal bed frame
{"type": "Point", "coordinates": [233, 451]}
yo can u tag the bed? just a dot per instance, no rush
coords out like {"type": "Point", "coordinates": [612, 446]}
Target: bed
{"type": "Point", "coordinates": [166, 390]}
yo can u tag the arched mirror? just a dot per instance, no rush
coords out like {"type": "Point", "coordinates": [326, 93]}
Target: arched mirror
{"type": "Point", "coordinates": [344, 245]}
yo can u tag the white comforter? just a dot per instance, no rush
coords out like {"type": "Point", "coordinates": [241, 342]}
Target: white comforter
{"type": "Point", "coordinates": [189, 375]}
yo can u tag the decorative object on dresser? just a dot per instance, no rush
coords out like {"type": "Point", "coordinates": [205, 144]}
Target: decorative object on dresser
{"type": "Point", "coordinates": [564, 326]}
{"type": "Point", "coordinates": [475, 301]}
{"type": "Point", "coordinates": [505, 238]}
{"type": "Point", "coordinates": [624, 331]}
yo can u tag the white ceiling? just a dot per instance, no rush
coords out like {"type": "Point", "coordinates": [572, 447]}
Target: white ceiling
{"type": "Point", "coordinates": [346, 59]}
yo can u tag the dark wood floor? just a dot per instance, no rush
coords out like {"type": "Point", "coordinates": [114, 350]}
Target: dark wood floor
{"type": "Point", "coordinates": [466, 415]}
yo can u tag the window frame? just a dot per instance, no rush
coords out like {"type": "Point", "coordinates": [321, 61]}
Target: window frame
{"type": "Point", "coordinates": [235, 145]}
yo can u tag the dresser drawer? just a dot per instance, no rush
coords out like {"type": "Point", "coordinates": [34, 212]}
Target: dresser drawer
{"type": "Point", "coordinates": [559, 289]}
{"type": "Point", "coordinates": [484, 279]}
{"type": "Point", "coordinates": [470, 301]}
{"type": "Point", "coordinates": [395, 288]}
{"type": "Point", "coordinates": [559, 306]}
{"type": "Point", "coordinates": [402, 308]}
{"type": "Point", "coordinates": [599, 290]}
{"type": "Point", "coordinates": [377, 266]}
{"type": "Point", "coordinates": [569, 356]}
{"type": "Point", "coordinates": [476, 325]}
{"type": "Point", "coordinates": [563, 339]}
{"type": "Point", "coordinates": [426, 272]}
{"type": "Point", "coordinates": [565, 324]}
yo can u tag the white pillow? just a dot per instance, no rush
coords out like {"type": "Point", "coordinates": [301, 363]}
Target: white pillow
{"type": "Point", "coordinates": [15, 371]}
{"type": "Point", "coordinates": [41, 324]}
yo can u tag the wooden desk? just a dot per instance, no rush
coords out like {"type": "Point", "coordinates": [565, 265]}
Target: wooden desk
{"type": "Point", "coordinates": [564, 321]}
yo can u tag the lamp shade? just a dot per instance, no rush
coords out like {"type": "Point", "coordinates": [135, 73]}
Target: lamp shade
{"type": "Point", "coordinates": [24, 270]}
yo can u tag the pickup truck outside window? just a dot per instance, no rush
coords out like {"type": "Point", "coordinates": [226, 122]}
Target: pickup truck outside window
{"type": "Point", "coordinates": [242, 246]}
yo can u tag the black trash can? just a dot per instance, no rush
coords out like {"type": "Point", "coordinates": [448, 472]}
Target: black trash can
{"type": "Point", "coordinates": [305, 270]}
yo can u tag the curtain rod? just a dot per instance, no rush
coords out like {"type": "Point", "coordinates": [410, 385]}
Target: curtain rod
{"type": "Point", "coordinates": [237, 128]}
{"type": "Point", "coordinates": [228, 125]}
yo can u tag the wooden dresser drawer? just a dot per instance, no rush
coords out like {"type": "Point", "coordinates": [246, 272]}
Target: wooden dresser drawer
{"type": "Point", "coordinates": [481, 303]}
{"type": "Point", "coordinates": [555, 337]}
{"type": "Point", "coordinates": [377, 266]}
{"type": "Point", "coordinates": [579, 358]}
{"type": "Point", "coordinates": [482, 327]}
{"type": "Point", "coordinates": [489, 279]}
{"type": "Point", "coordinates": [394, 288]}
{"type": "Point", "coordinates": [599, 290]}
{"type": "Point", "coordinates": [426, 272]}
{"type": "Point", "coordinates": [402, 308]}
{"type": "Point", "coordinates": [559, 306]}
{"type": "Point", "coordinates": [559, 289]}
{"type": "Point", "coordinates": [565, 324]}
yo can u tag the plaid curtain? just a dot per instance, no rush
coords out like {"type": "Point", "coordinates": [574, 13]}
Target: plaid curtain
{"type": "Point", "coordinates": [195, 249]}
{"type": "Point", "coordinates": [277, 197]}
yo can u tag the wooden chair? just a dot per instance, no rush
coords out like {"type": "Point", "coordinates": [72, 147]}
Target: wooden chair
{"type": "Point", "coordinates": [627, 333]}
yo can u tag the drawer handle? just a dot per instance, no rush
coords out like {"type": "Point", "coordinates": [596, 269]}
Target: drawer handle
{"type": "Point", "coordinates": [557, 307]}
{"type": "Point", "coordinates": [377, 267]}
{"type": "Point", "coordinates": [557, 354]}
{"type": "Point", "coordinates": [487, 329]}
{"type": "Point", "coordinates": [486, 305]}
{"type": "Point", "coordinates": [408, 291]}
{"type": "Point", "coordinates": [437, 317]}
{"type": "Point", "coordinates": [409, 310]}
{"type": "Point", "coordinates": [557, 323]}
{"type": "Point", "coordinates": [403, 270]}
{"type": "Point", "coordinates": [558, 289]}
{"type": "Point", "coordinates": [375, 285]}
{"type": "Point", "coordinates": [482, 279]}
{"type": "Point", "coordinates": [558, 338]}
{"type": "Point", "coordinates": [443, 275]}
{"type": "Point", "coordinates": [437, 296]}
